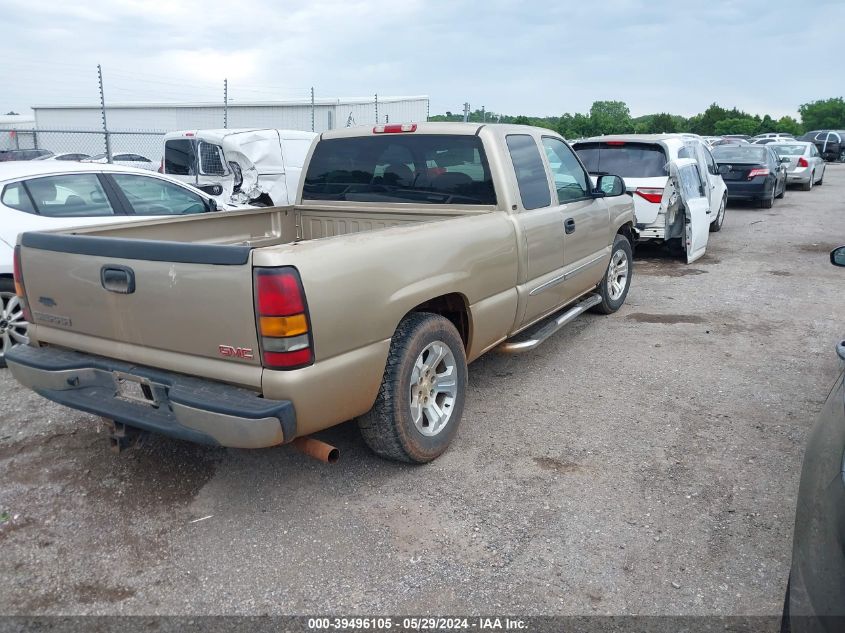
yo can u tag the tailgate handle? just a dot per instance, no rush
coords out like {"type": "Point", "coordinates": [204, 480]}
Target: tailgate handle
{"type": "Point", "coordinates": [119, 279]}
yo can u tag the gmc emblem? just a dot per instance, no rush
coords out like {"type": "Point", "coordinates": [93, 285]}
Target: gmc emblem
{"type": "Point", "coordinates": [236, 352]}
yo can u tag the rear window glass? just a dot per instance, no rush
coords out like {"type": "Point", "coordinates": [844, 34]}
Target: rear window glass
{"type": "Point", "coordinates": [530, 172]}
{"type": "Point", "coordinates": [425, 168]}
{"type": "Point", "coordinates": [631, 160]}
{"type": "Point", "coordinates": [790, 150]}
{"type": "Point", "coordinates": [740, 154]}
{"type": "Point", "coordinates": [179, 157]}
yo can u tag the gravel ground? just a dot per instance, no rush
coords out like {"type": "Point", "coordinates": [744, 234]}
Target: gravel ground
{"type": "Point", "coordinates": [643, 462]}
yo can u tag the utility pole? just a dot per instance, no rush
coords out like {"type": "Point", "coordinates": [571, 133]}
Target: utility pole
{"type": "Point", "coordinates": [466, 112]}
{"type": "Point", "coordinates": [376, 108]}
{"type": "Point", "coordinates": [103, 113]}
{"type": "Point", "coordinates": [312, 108]}
{"type": "Point", "coordinates": [483, 115]}
{"type": "Point", "coordinates": [225, 103]}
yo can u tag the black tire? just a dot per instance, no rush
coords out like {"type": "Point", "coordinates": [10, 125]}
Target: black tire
{"type": "Point", "coordinates": [7, 289]}
{"type": "Point", "coordinates": [716, 225]}
{"type": "Point", "coordinates": [821, 180]}
{"type": "Point", "coordinates": [388, 428]}
{"type": "Point", "coordinates": [808, 186]}
{"type": "Point", "coordinates": [768, 203]}
{"type": "Point", "coordinates": [782, 191]}
{"type": "Point", "coordinates": [785, 624]}
{"type": "Point", "coordinates": [608, 304]}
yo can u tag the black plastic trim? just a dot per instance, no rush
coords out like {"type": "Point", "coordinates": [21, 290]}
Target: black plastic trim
{"type": "Point", "coordinates": [148, 250]}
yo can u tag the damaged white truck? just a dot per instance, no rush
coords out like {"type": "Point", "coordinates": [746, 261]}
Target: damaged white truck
{"type": "Point", "coordinates": [241, 167]}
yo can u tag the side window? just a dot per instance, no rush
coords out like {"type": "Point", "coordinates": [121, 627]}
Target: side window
{"type": "Point", "coordinates": [179, 157]}
{"type": "Point", "coordinates": [711, 163]}
{"type": "Point", "coordinates": [570, 178]}
{"type": "Point", "coordinates": [70, 195]}
{"type": "Point", "coordinates": [530, 173]}
{"type": "Point", "coordinates": [691, 186]}
{"type": "Point", "coordinates": [211, 159]}
{"type": "Point", "coordinates": [16, 197]}
{"type": "Point", "coordinates": [154, 196]}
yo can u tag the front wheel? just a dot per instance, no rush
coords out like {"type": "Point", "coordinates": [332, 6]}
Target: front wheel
{"type": "Point", "coordinates": [716, 225]}
{"type": "Point", "coordinates": [421, 398]}
{"type": "Point", "coordinates": [783, 190]}
{"type": "Point", "coordinates": [617, 278]}
{"type": "Point", "coordinates": [13, 327]}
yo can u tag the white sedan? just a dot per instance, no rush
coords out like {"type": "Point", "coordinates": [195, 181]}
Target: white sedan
{"type": "Point", "coordinates": [124, 160]}
{"type": "Point", "coordinates": [43, 195]}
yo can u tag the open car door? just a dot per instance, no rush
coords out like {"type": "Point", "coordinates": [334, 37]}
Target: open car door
{"type": "Point", "coordinates": [688, 183]}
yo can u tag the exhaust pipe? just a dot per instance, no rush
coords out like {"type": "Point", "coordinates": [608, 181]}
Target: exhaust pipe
{"type": "Point", "coordinates": [326, 453]}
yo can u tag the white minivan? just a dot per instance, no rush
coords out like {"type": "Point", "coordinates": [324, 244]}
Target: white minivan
{"type": "Point", "coordinates": [260, 167]}
{"type": "Point", "coordinates": [644, 161]}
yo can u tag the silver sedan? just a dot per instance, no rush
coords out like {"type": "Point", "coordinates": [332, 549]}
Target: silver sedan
{"type": "Point", "coordinates": [804, 164]}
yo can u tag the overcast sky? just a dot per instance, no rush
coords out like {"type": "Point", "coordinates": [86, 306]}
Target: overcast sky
{"type": "Point", "coordinates": [535, 58]}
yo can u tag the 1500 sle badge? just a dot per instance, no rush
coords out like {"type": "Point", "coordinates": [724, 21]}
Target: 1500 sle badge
{"type": "Point", "coordinates": [52, 319]}
{"type": "Point", "coordinates": [236, 352]}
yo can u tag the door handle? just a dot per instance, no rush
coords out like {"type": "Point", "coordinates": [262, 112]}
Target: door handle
{"type": "Point", "coordinates": [569, 226]}
{"type": "Point", "coordinates": [119, 279]}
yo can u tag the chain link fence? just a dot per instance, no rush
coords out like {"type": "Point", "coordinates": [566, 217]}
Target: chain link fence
{"type": "Point", "coordinates": [136, 148]}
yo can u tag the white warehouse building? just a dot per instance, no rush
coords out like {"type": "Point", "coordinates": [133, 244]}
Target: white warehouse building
{"type": "Point", "coordinates": [293, 115]}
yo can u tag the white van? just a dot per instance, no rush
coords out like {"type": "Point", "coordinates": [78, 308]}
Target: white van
{"type": "Point", "coordinates": [260, 167]}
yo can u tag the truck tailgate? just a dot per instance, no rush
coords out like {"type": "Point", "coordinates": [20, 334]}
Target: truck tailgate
{"type": "Point", "coordinates": [182, 298]}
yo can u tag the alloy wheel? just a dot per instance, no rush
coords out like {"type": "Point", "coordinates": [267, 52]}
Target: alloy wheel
{"type": "Point", "coordinates": [617, 275]}
{"type": "Point", "coordinates": [13, 326]}
{"type": "Point", "coordinates": [433, 388]}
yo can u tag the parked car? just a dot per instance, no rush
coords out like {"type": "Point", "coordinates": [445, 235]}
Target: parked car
{"type": "Point", "coordinates": [752, 172]}
{"type": "Point", "coordinates": [643, 161]}
{"type": "Point", "coordinates": [241, 166]}
{"type": "Point", "coordinates": [411, 250]}
{"type": "Point", "coordinates": [829, 143]}
{"type": "Point", "coordinates": [125, 160]}
{"type": "Point", "coordinates": [765, 141]}
{"type": "Point", "coordinates": [45, 195]}
{"type": "Point", "coordinates": [24, 154]}
{"type": "Point", "coordinates": [738, 137]}
{"type": "Point", "coordinates": [775, 135]}
{"type": "Point", "coordinates": [815, 595]}
{"type": "Point", "coordinates": [728, 141]}
{"type": "Point", "coordinates": [67, 156]}
{"type": "Point", "coordinates": [805, 165]}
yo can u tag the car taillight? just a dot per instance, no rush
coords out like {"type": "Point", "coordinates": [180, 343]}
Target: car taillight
{"type": "Point", "coordinates": [20, 290]}
{"type": "Point", "coordinates": [395, 128]}
{"type": "Point", "coordinates": [802, 162]}
{"type": "Point", "coordinates": [282, 319]}
{"type": "Point", "coordinates": [652, 194]}
{"type": "Point", "coordinates": [615, 143]}
{"type": "Point", "coordinates": [763, 171]}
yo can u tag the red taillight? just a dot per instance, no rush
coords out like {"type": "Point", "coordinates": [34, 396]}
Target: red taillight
{"type": "Point", "coordinates": [20, 290]}
{"type": "Point", "coordinates": [762, 171]}
{"type": "Point", "coordinates": [802, 162]}
{"type": "Point", "coordinates": [282, 319]}
{"type": "Point", "coordinates": [395, 128]}
{"type": "Point", "coordinates": [615, 143]}
{"type": "Point", "coordinates": [651, 194]}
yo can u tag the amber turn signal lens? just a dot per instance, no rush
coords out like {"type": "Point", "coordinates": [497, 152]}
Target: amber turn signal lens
{"type": "Point", "coordinates": [283, 326]}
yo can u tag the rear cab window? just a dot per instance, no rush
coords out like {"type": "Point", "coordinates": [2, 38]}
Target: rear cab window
{"type": "Point", "coordinates": [410, 168]}
{"type": "Point", "coordinates": [628, 160]}
{"type": "Point", "coordinates": [530, 173]}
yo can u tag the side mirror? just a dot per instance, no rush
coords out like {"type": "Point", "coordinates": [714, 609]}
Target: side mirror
{"type": "Point", "coordinates": [610, 185]}
{"type": "Point", "coordinates": [723, 169]}
{"type": "Point", "coordinates": [837, 256]}
{"type": "Point", "coordinates": [212, 205]}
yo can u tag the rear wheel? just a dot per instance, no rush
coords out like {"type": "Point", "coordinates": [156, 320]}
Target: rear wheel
{"type": "Point", "coordinates": [12, 324]}
{"type": "Point", "coordinates": [421, 398]}
{"type": "Point", "coordinates": [808, 186]}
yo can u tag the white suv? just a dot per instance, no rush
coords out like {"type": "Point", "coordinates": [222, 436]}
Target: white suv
{"type": "Point", "coordinates": [644, 161]}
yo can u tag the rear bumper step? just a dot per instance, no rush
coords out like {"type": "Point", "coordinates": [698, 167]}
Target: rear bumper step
{"type": "Point", "coordinates": [544, 331]}
{"type": "Point", "coordinates": [192, 409]}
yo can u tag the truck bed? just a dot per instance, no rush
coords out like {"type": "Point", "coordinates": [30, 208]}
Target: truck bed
{"type": "Point", "coordinates": [271, 226]}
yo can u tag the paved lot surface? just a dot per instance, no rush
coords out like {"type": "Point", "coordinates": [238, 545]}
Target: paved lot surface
{"type": "Point", "coordinates": [645, 462]}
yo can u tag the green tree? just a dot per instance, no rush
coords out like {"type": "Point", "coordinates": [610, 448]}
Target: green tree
{"type": "Point", "coordinates": [522, 120]}
{"type": "Point", "coordinates": [789, 125]}
{"type": "Point", "coordinates": [823, 114]}
{"type": "Point", "coordinates": [705, 123]}
{"type": "Point", "coordinates": [767, 125]}
{"type": "Point", "coordinates": [661, 123]}
{"type": "Point", "coordinates": [610, 117]}
{"type": "Point", "coordinates": [736, 126]}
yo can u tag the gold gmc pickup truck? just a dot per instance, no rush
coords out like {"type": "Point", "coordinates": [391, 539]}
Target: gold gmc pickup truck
{"type": "Point", "coordinates": [412, 250]}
